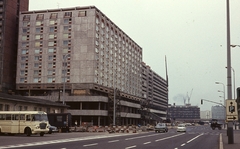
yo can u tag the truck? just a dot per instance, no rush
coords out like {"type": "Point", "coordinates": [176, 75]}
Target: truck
{"type": "Point", "coordinates": [63, 121]}
{"type": "Point", "coordinates": [215, 124]}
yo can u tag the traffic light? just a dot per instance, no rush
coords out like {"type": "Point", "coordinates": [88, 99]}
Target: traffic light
{"type": "Point", "coordinates": [201, 101]}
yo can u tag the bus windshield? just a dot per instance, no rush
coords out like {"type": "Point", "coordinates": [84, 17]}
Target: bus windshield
{"type": "Point", "coordinates": [40, 117]}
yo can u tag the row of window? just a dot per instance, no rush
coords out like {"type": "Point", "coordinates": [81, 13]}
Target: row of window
{"type": "Point", "coordinates": [55, 15]}
{"type": "Point", "coordinates": [39, 30]}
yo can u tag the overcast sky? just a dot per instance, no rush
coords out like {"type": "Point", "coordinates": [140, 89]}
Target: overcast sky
{"type": "Point", "coordinates": [191, 33]}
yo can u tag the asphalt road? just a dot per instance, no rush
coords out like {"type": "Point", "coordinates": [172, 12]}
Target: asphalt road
{"type": "Point", "coordinates": [196, 137]}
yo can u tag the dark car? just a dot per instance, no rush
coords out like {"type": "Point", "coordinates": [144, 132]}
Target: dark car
{"type": "Point", "coordinates": [52, 129]}
{"type": "Point", "coordinates": [161, 127]}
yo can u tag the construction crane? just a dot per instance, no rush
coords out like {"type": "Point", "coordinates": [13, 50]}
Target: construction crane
{"type": "Point", "coordinates": [189, 97]}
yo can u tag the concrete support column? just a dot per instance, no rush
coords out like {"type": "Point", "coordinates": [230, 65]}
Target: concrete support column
{"type": "Point", "coordinates": [99, 106]}
{"type": "Point", "coordinates": [80, 121]}
{"type": "Point", "coordinates": [98, 120]}
{"type": "Point", "coordinates": [80, 106]}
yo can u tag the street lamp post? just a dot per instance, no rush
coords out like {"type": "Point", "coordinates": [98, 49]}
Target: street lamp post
{"type": "Point", "coordinates": [223, 92]}
{"type": "Point", "coordinates": [64, 74]}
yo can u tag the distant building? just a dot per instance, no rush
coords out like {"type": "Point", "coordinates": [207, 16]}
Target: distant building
{"type": "Point", "coordinates": [218, 112]}
{"type": "Point", "coordinates": [9, 18]}
{"type": "Point", "coordinates": [184, 113]}
{"type": "Point", "coordinates": [206, 114]}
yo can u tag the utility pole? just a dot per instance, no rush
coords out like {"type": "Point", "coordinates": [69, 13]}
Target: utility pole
{"type": "Point", "coordinates": [229, 80]}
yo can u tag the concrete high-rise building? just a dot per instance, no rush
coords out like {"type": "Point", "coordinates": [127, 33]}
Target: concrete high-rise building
{"type": "Point", "coordinates": [82, 53]}
{"type": "Point", "coordinates": [155, 92]}
{"type": "Point", "coordinates": [218, 112]}
{"type": "Point", "coordinates": [9, 18]}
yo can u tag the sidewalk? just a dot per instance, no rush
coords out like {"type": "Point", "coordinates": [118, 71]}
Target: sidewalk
{"type": "Point", "coordinates": [236, 141]}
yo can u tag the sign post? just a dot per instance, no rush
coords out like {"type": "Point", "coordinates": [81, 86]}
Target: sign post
{"type": "Point", "coordinates": [231, 116]}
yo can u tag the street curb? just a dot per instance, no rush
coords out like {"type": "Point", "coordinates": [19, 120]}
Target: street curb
{"type": "Point", "coordinates": [220, 141]}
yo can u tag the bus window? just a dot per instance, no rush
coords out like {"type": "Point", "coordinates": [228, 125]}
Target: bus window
{"type": "Point", "coordinates": [15, 117]}
{"type": "Point", "coordinates": [2, 116]}
{"type": "Point", "coordinates": [33, 118]}
{"type": "Point", "coordinates": [22, 117]}
{"type": "Point", "coordinates": [8, 116]}
{"type": "Point", "coordinates": [28, 118]}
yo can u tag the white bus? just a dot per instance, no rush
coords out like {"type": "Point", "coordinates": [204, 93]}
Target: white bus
{"type": "Point", "coordinates": [24, 122]}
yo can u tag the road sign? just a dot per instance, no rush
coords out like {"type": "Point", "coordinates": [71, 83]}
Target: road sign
{"type": "Point", "coordinates": [231, 110]}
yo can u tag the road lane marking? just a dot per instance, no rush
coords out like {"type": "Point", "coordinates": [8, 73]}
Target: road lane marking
{"type": "Point", "coordinates": [90, 144]}
{"type": "Point", "coordinates": [194, 138]}
{"type": "Point", "coordinates": [141, 137]}
{"type": "Point", "coordinates": [131, 147]}
{"type": "Point", "coordinates": [169, 137]}
{"type": "Point", "coordinates": [61, 141]}
{"type": "Point", "coordinates": [113, 141]}
{"type": "Point", "coordinates": [147, 142]}
{"type": "Point", "coordinates": [183, 144]}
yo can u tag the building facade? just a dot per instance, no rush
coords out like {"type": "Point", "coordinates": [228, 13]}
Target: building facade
{"type": "Point", "coordinates": [206, 114]}
{"type": "Point", "coordinates": [155, 92]}
{"type": "Point", "coordinates": [9, 14]}
{"type": "Point", "coordinates": [184, 113]}
{"type": "Point", "coordinates": [218, 112]}
{"type": "Point", "coordinates": [80, 57]}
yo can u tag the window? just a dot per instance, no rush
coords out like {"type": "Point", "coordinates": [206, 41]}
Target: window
{"type": "Point", "coordinates": [25, 108]}
{"type": "Point", "coordinates": [67, 28]}
{"type": "Point", "coordinates": [51, 29]}
{"type": "Point", "coordinates": [1, 109]}
{"type": "Point", "coordinates": [7, 108]}
{"type": "Point", "coordinates": [50, 79]}
{"type": "Point", "coordinates": [39, 30]}
{"type": "Point", "coordinates": [25, 24]}
{"type": "Point", "coordinates": [52, 36]}
{"type": "Point", "coordinates": [66, 42]}
{"type": "Point", "coordinates": [23, 58]}
{"type": "Point", "coordinates": [67, 21]}
{"type": "Point", "coordinates": [36, 64]}
{"type": "Point", "coordinates": [66, 35]}
{"type": "Point", "coordinates": [82, 13]}
{"type": "Point", "coordinates": [66, 79]}
{"type": "Point", "coordinates": [25, 44]}
{"type": "Point", "coordinates": [37, 58]}
{"type": "Point", "coordinates": [53, 16]}
{"type": "Point", "coordinates": [37, 51]}
{"type": "Point", "coordinates": [51, 43]}
{"type": "Point", "coordinates": [50, 50]}
{"type": "Point", "coordinates": [36, 72]}
{"type": "Point", "coordinates": [38, 23]}
{"type": "Point", "coordinates": [25, 30]}
{"type": "Point", "coordinates": [40, 17]}
{"type": "Point", "coordinates": [37, 37]}
{"type": "Point", "coordinates": [38, 43]}
{"type": "Point", "coordinates": [21, 80]}
{"type": "Point", "coordinates": [24, 37]}
{"type": "Point", "coordinates": [67, 14]}
{"type": "Point", "coordinates": [24, 51]}
{"type": "Point", "coordinates": [51, 72]}
{"type": "Point", "coordinates": [66, 49]}
{"type": "Point", "coordinates": [26, 18]}
{"type": "Point", "coordinates": [22, 65]}
{"type": "Point", "coordinates": [36, 79]}
{"type": "Point", "coordinates": [22, 72]}
{"type": "Point", "coordinates": [52, 22]}
{"type": "Point", "coordinates": [50, 57]}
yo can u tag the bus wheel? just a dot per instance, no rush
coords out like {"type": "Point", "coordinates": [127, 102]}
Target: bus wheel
{"type": "Point", "coordinates": [42, 134]}
{"type": "Point", "coordinates": [28, 131]}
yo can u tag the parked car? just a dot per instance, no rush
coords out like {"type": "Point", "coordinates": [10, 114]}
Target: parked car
{"type": "Point", "coordinates": [161, 127]}
{"type": "Point", "coordinates": [181, 128]}
{"type": "Point", "coordinates": [52, 129]}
